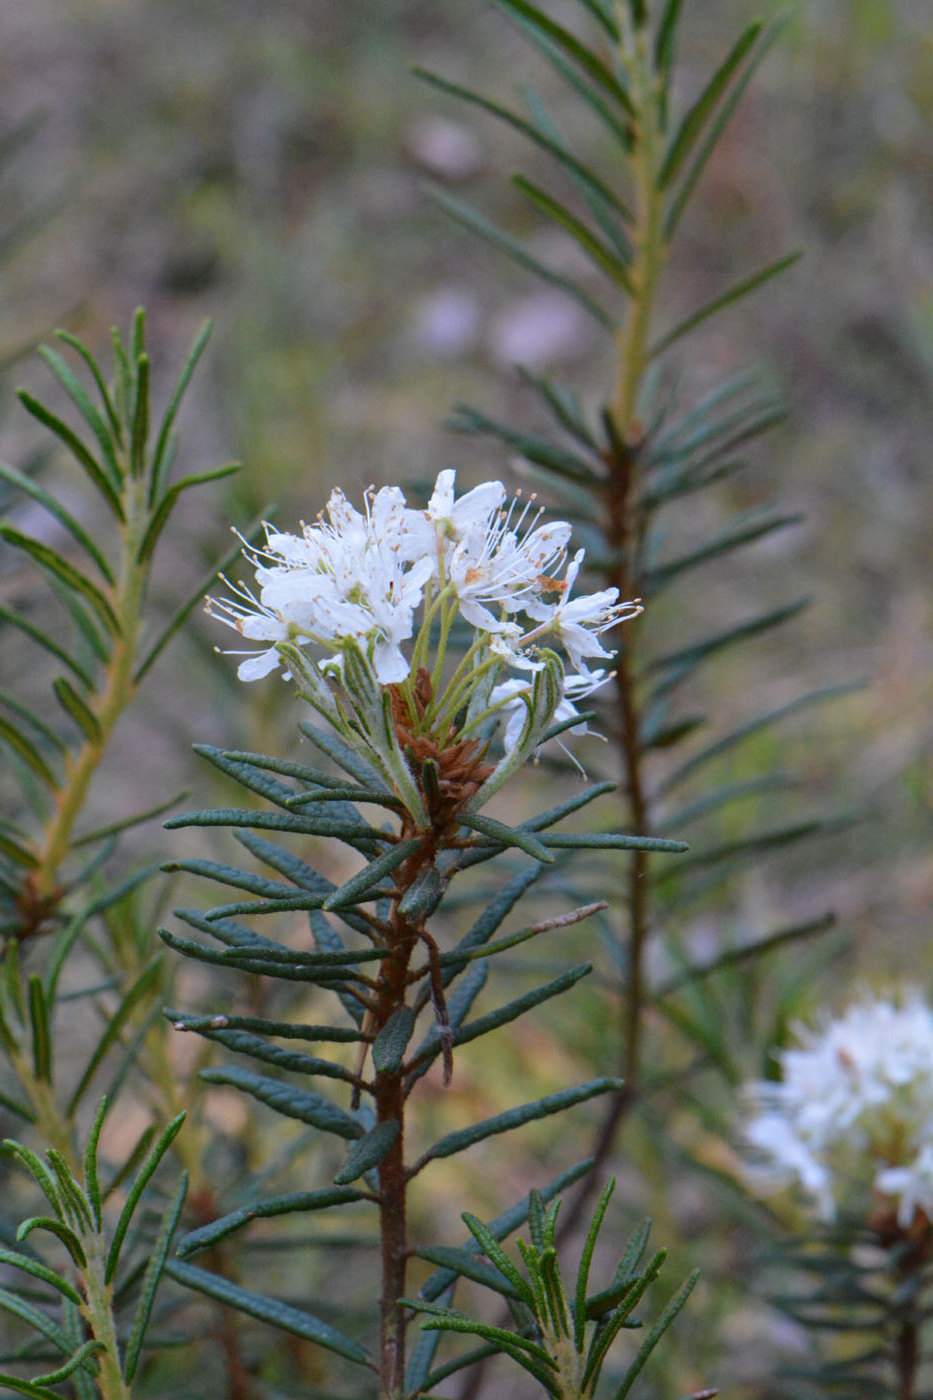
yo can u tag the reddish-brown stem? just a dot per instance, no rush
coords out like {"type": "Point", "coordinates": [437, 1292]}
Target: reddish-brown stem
{"type": "Point", "coordinates": [393, 1181]}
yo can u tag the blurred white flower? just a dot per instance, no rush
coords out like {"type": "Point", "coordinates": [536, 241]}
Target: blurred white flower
{"type": "Point", "coordinates": [852, 1111]}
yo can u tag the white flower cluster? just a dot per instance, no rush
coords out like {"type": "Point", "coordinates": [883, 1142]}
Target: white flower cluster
{"type": "Point", "coordinates": [363, 577]}
{"type": "Point", "coordinates": [854, 1109]}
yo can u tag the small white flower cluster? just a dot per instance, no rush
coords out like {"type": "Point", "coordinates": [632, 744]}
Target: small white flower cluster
{"type": "Point", "coordinates": [363, 576]}
{"type": "Point", "coordinates": [854, 1110]}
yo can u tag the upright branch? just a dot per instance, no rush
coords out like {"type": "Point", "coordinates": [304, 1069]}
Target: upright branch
{"type": "Point", "coordinates": [361, 608]}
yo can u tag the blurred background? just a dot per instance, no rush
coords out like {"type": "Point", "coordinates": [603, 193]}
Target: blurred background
{"type": "Point", "coordinates": [265, 165]}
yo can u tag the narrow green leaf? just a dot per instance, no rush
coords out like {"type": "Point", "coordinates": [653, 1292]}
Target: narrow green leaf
{"type": "Point", "coordinates": [72, 703]}
{"type": "Point", "coordinates": [586, 1259]}
{"type": "Point", "coordinates": [24, 1387]}
{"type": "Point", "coordinates": [34, 1317]}
{"type": "Point", "coordinates": [75, 390]}
{"type": "Point", "coordinates": [91, 1174]}
{"type": "Point", "coordinates": [27, 715]}
{"type": "Point", "coordinates": [739, 533]}
{"type": "Point", "coordinates": [610, 841]}
{"type": "Point", "coordinates": [40, 1271]}
{"type": "Point", "coordinates": [270, 1310]}
{"type": "Point", "coordinates": [15, 619]}
{"type": "Point", "coordinates": [515, 1117]}
{"type": "Point", "coordinates": [288, 1100]}
{"type": "Point", "coordinates": [726, 795]}
{"type": "Point", "coordinates": [262, 1026]}
{"type": "Point", "coordinates": [182, 614]}
{"type": "Point", "coordinates": [619, 127]}
{"type": "Point", "coordinates": [368, 1152]}
{"type": "Point", "coordinates": [572, 47]}
{"type": "Point", "coordinates": [731, 740]}
{"type": "Point", "coordinates": [742, 631]}
{"type": "Point", "coordinates": [146, 1171]}
{"type": "Point", "coordinates": [171, 412]}
{"type": "Point", "coordinates": [60, 1230]}
{"type": "Point", "coordinates": [76, 447]}
{"type": "Point", "coordinates": [206, 1236]}
{"type": "Point", "coordinates": [552, 458]}
{"type": "Point", "coordinates": [152, 1277]}
{"type": "Point", "coordinates": [507, 835]}
{"type": "Point", "coordinates": [695, 119]}
{"type": "Point", "coordinates": [718, 125]}
{"type": "Point", "coordinates": [497, 910]}
{"type": "Point", "coordinates": [134, 994]}
{"type": "Point", "coordinates": [100, 833]}
{"type": "Point", "coordinates": [516, 250]}
{"type": "Point", "coordinates": [244, 1043]}
{"type": "Point", "coordinates": [732, 294]}
{"type": "Point", "coordinates": [275, 821]}
{"type": "Point", "coordinates": [510, 1012]}
{"type": "Point", "coordinates": [565, 407]}
{"type": "Point", "coordinates": [169, 501]}
{"type": "Point", "coordinates": [55, 508]}
{"type": "Point", "coordinates": [420, 1383]}
{"type": "Point", "coordinates": [75, 1202]}
{"type": "Point", "coordinates": [39, 1024]}
{"type": "Point", "coordinates": [363, 885]}
{"type": "Point", "coordinates": [603, 16]}
{"type": "Point", "coordinates": [18, 853]}
{"type": "Point", "coordinates": [759, 844]}
{"type": "Point", "coordinates": [505, 1224]}
{"type": "Point", "coordinates": [139, 427]}
{"type": "Point", "coordinates": [529, 1355]}
{"type": "Point", "coordinates": [82, 1355]}
{"type": "Point", "coordinates": [389, 1047]}
{"type": "Point", "coordinates": [666, 34]}
{"type": "Point", "coordinates": [232, 876]}
{"type": "Point", "coordinates": [345, 757]}
{"type": "Point", "coordinates": [65, 572]}
{"type": "Point", "coordinates": [496, 1255]}
{"type": "Point", "coordinates": [604, 258]}
{"type": "Point", "coordinates": [91, 364]}
{"type": "Point", "coordinates": [586, 177]}
{"type": "Point", "coordinates": [627, 1301]}
{"type": "Point", "coordinates": [747, 952]}
{"type": "Point", "coordinates": [565, 809]}
{"type": "Point", "coordinates": [422, 897]}
{"type": "Point", "coordinates": [655, 1335]}
{"type": "Point", "coordinates": [467, 1265]}
{"type": "Point", "coordinates": [27, 751]}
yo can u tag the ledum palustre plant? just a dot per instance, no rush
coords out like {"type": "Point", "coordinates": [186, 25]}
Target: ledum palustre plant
{"type": "Point", "coordinates": [76, 946]}
{"type": "Point", "coordinates": [418, 737]}
{"type": "Point", "coordinates": [628, 464]}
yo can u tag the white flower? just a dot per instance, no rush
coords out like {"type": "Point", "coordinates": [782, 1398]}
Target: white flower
{"type": "Point", "coordinates": [577, 622]}
{"type": "Point", "coordinates": [364, 575]}
{"type": "Point", "coordinates": [451, 519]}
{"type": "Point", "coordinates": [853, 1110]}
{"type": "Point", "coordinates": [508, 696]}
{"type": "Point", "coordinates": [348, 576]}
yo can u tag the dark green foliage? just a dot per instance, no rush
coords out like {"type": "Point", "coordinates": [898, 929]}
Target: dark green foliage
{"type": "Point", "coordinates": [103, 588]}
{"type": "Point", "coordinates": [622, 473]}
{"type": "Point", "coordinates": [384, 908]}
{"type": "Point", "coordinates": [77, 1224]}
{"type": "Point", "coordinates": [561, 1336]}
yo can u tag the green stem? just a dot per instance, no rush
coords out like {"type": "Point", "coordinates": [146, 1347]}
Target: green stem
{"type": "Point", "coordinates": [109, 704]}
{"type": "Point", "coordinates": [650, 248]}
{"type": "Point", "coordinates": [98, 1310]}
